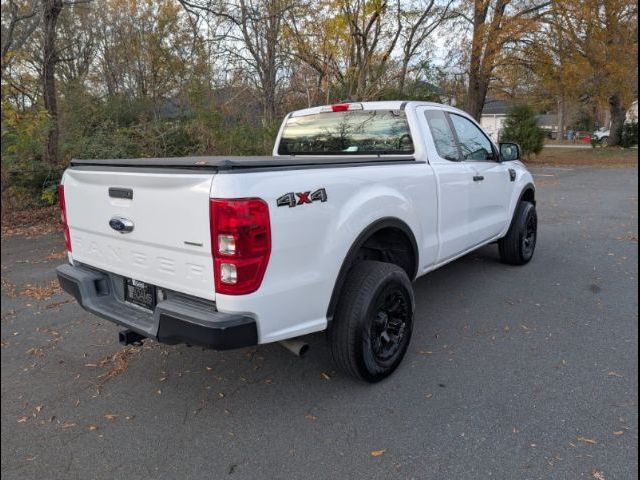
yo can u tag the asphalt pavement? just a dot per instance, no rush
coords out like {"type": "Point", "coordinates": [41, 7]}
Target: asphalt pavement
{"type": "Point", "coordinates": [513, 373]}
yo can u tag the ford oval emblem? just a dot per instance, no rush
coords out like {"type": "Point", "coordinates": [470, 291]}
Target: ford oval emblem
{"type": "Point", "coordinates": [121, 224]}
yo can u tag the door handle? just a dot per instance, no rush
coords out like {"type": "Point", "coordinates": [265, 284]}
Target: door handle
{"type": "Point", "coordinates": [478, 178]}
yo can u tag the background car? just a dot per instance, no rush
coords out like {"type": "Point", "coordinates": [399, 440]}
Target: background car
{"type": "Point", "coordinates": [602, 135]}
{"type": "Point", "coordinates": [583, 137]}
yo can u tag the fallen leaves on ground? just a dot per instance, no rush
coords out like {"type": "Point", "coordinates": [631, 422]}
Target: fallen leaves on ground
{"type": "Point", "coordinates": [31, 222]}
{"type": "Point", "coordinates": [58, 304]}
{"type": "Point", "coordinates": [41, 292]}
{"type": "Point", "coordinates": [9, 288]}
{"type": "Point", "coordinates": [118, 363]}
{"type": "Point", "coordinates": [628, 238]}
{"type": "Point", "coordinates": [111, 416]}
{"type": "Point", "coordinates": [57, 255]}
{"type": "Point", "coordinates": [590, 441]}
{"type": "Point", "coordinates": [615, 374]}
{"type": "Point", "coordinates": [36, 352]}
{"type": "Point", "coordinates": [378, 453]}
{"type": "Point", "coordinates": [597, 474]}
{"type": "Point", "coordinates": [601, 157]}
{"type": "Point", "coordinates": [310, 417]}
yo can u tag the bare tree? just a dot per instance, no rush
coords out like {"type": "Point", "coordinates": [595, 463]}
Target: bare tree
{"type": "Point", "coordinates": [50, 12]}
{"type": "Point", "coordinates": [77, 43]}
{"type": "Point", "coordinates": [423, 21]}
{"type": "Point", "coordinates": [18, 23]}
{"type": "Point", "coordinates": [373, 40]}
{"type": "Point", "coordinates": [350, 44]}
{"type": "Point", "coordinates": [259, 26]}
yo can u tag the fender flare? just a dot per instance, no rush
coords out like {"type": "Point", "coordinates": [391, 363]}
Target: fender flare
{"type": "Point", "coordinates": [355, 247]}
{"type": "Point", "coordinates": [528, 187]}
{"type": "Point", "coordinates": [525, 189]}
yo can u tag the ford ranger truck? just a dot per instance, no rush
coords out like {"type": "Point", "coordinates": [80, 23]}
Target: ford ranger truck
{"type": "Point", "coordinates": [356, 202]}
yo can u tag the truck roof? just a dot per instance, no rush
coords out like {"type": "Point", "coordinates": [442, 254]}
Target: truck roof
{"type": "Point", "coordinates": [385, 105]}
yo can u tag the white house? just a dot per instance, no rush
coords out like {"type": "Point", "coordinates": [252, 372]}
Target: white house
{"type": "Point", "coordinates": [493, 116]}
{"type": "Point", "coordinates": [632, 113]}
{"type": "Point", "coordinates": [495, 112]}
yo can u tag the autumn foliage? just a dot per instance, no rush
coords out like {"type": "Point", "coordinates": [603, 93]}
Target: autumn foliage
{"type": "Point", "coordinates": [127, 78]}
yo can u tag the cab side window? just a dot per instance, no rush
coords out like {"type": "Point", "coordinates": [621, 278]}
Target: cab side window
{"type": "Point", "coordinates": [474, 144]}
{"type": "Point", "coordinates": [443, 137]}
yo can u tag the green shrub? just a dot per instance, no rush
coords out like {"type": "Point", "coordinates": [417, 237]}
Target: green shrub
{"type": "Point", "coordinates": [521, 127]}
{"type": "Point", "coordinates": [24, 174]}
{"type": "Point", "coordinates": [629, 135]}
{"type": "Point", "coordinates": [49, 195]}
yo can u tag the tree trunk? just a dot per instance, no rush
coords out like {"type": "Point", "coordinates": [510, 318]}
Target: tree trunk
{"type": "Point", "coordinates": [477, 89]}
{"type": "Point", "coordinates": [50, 10]}
{"type": "Point", "coordinates": [561, 118]}
{"type": "Point", "coordinates": [269, 104]}
{"type": "Point", "coordinates": [618, 114]}
{"type": "Point", "coordinates": [476, 94]}
{"type": "Point", "coordinates": [403, 77]}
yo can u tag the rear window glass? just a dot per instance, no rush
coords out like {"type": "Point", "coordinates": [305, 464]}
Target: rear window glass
{"type": "Point", "coordinates": [358, 132]}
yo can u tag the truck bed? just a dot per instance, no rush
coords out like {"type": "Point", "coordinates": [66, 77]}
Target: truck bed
{"type": "Point", "coordinates": [228, 163]}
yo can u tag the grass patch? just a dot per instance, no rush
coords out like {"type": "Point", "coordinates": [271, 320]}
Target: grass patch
{"type": "Point", "coordinates": [594, 157]}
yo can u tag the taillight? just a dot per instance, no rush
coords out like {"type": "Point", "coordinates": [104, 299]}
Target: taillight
{"type": "Point", "coordinates": [342, 107]}
{"type": "Point", "coordinates": [63, 217]}
{"type": "Point", "coordinates": [240, 243]}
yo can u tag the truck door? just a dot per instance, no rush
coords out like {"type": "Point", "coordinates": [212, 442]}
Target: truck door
{"type": "Point", "coordinates": [492, 184]}
{"type": "Point", "coordinates": [454, 183]}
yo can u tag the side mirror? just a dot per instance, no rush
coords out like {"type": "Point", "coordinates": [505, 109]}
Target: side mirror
{"type": "Point", "coordinates": [510, 152]}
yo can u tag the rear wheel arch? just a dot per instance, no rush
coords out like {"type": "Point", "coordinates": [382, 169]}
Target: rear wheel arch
{"type": "Point", "coordinates": [388, 240]}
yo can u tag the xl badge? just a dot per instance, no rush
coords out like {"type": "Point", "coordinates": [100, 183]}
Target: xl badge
{"type": "Point", "coordinates": [293, 199]}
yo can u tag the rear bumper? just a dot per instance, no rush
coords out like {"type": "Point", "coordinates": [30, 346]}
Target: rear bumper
{"type": "Point", "coordinates": [178, 319]}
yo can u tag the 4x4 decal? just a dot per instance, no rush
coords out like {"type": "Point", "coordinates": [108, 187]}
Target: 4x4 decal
{"type": "Point", "coordinates": [293, 199]}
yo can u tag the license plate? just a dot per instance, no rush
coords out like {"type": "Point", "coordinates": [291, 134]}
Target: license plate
{"type": "Point", "coordinates": [139, 293]}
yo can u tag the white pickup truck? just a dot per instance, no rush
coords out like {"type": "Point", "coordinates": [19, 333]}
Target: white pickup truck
{"type": "Point", "coordinates": [357, 201]}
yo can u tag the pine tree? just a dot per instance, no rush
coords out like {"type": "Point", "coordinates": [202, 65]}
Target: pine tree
{"type": "Point", "coordinates": [521, 127]}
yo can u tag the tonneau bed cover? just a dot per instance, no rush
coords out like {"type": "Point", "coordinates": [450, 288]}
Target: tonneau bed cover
{"type": "Point", "coordinates": [222, 163]}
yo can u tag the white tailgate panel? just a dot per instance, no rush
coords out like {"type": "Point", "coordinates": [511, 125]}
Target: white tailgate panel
{"type": "Point", "coordinates": [167, 209]}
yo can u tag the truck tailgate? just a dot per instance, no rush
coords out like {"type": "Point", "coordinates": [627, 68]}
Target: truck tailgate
{"type": "Point", "coordinates": [170, 243]}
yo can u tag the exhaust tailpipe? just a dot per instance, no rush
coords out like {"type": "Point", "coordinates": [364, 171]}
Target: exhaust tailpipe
{"type": "Point", "coordinates": [297, 347]}
{"type": "Point", "coordinates": [129, 337]}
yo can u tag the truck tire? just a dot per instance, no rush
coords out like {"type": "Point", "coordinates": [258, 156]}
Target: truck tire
{"type": "Point", "coordinates": [518, 245]}
{"type": "Point", "coordinates": [372, 325]}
